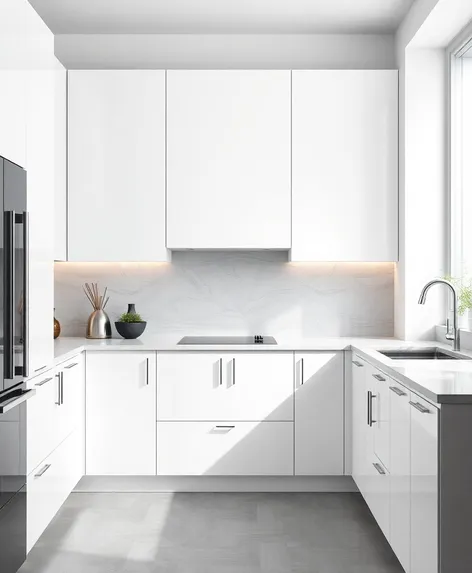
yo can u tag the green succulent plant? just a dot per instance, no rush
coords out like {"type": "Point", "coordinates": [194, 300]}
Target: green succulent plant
{"type": "Point", "coordinates": [130, 317]}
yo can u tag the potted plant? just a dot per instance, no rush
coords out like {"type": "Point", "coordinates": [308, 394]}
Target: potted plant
{"type": "Point", "coordinates": [130, 324]}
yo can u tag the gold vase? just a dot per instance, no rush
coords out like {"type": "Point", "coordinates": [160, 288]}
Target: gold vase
{"type": "Point", "coordinates": [57, 328]}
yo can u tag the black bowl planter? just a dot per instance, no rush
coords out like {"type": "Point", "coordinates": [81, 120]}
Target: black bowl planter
{"type": "Point", "coordinates": [130, 329]}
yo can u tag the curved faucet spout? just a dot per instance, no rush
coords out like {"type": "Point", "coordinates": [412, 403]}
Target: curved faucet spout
{"type": "Point", "coordinates": [455, 334]}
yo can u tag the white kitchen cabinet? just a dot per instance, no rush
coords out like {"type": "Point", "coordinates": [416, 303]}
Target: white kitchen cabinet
{"type": "Point", "coordinates": [400, 472]}
{"type": "Point", "coordinates": [116, 165]}
{"type": "Point", "coordinates": [319, 413]}
{"type": "Point", "coordinates": [121, 413]}
{"type": "Point", "coordinates": [362, 438]}
{"type": "Point", "coordinates": [71, 396]}
{"type": "Point", "coordinates": [228, 159]}
{"type": "Point", "coordinates": [225, 448]}
{"type": "Point", "coordinates": [380, 384]}
{"type": "Point", "coordinates": [60, 166]}
{"type": "Point", "coordinates": [345, 164]}
{"type": "Point", "coordinates": [49, 485]}
{"type": "Point", "coordinates": [424, 486]}
{"type": "Point", "coordinates": [244, 386]}
{"type": "Point", "coordinates": [13, 80]}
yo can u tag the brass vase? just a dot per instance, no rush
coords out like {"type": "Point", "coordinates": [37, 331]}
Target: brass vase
{"type": "Point", "coordinates": [57, 328]}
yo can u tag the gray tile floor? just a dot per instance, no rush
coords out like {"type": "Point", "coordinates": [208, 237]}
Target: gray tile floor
{"type": "Point", "coordinates": [212, 533]}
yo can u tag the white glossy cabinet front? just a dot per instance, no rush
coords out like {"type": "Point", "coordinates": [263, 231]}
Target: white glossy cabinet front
{"type": "Point", "coordinates": [225, 448]}
{"type": "Point", "coordinates": [244, 386]}
{"type": "Point", "coordinates": [228, 159]}
{"type": "Point", "coordinates": [319, 413]}
{"type": "Point", "coordinates": [424, 486]}
{"type": "Point", "coordinates": [345, 163]}
{"type": "Point", "coordinates": [121, 413]}
{"type": "Point", "coordinates": [116, 165]}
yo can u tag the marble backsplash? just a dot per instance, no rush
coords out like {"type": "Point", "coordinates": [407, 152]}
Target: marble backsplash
{"type": "Point", "coordinates": [235, 293]}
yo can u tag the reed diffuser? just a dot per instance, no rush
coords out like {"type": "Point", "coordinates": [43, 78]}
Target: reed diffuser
{"type": "Point", "coordinates": [98, 324]}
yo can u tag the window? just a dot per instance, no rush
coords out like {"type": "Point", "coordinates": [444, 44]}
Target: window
{"type": "Point", "coordinates": [461, 160]}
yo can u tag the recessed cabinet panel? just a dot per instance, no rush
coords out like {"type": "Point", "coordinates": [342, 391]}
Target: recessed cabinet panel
{"type": "Point", "coordinates": [319, 413]}
{"type": "Point", "coordinates": [116, 133]}
{"type": "Point", "coordinates": [228, 159]}
{"type": "Point", "coordinates": [345, 163]}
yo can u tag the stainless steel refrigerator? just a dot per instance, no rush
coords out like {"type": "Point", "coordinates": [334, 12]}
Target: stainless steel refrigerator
{"type": "Point", "coordinates": [13, 365]}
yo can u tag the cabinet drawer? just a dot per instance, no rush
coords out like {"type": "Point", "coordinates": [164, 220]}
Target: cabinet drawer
{"type": "Point", "coordinates": [225, 448]}
{"type": "Point", "coordinates": [41, 415]}
{"type": "Point", "coordinates": [244, 386]}
{"type": "Point", "coordinates": [50, 484]}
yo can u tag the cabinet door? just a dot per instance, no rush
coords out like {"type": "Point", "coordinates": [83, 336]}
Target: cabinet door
{"type": "Point", "coordinates": [121, 413]}
{"type": "Point", "coordinates": [380, 385]}
{"type": "Point", "coordinates": [344, 158]}
{"type": "Point", "coordinates": [225, 448]}
{"type": "Point", "coordinates": [116, 136]}
{"type": "Point", "coordinates": [319, 413]}
{"type": "Point", "coordinates": [72, 396]}
{"type": "Point", "coordinates": [424, 486]}
{"type": "Point", "coordinates": [245, 386]}
{"type": "Point", "coordinates": [377, 494]}
{"type": "Point", "coordinates": [228, 159]}
{"type": "Point", "coordinates": [362, 442]}
{"type": "Point", "coordinates": [49, 485]}
{"type": "Point", "coordinates": [40, 205]}
{"type": "Point", "coordinates": [400, 472]}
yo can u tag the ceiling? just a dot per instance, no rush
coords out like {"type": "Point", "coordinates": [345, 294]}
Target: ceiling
{"type": "Point", "coordinates": [221, 16]}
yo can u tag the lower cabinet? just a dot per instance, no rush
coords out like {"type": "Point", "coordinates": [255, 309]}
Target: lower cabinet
{"type": "Point", "coordinates": [424, 486]}
{"type": "Point", "coordinates": [319, 413]}
{"type": "Point", "coordinates": [50, 484]}
{"type": "Point", "coordinates": [121, 413]}
{"type": "Point", "coordinates": [395, 464]}
{"type": "Point", "coordinates": [225, 448]}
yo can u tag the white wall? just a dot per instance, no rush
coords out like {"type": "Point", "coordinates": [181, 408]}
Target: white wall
{"type": "Point", "coordinates": [235, 293]}
{"type": "Point", "coordinates": [421, 43]}
{"type": "Point", "coordinates": [173, 51]}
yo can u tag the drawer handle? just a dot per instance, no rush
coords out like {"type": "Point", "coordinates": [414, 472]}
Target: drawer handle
{"type": "Point", "coordinates": [302, 372]}
{"type": "Point", "coordinates": [420, 407]}
{"type": "Point", "coordinates": [358, 364]}
{"type": "Point", "coordinates": [71, 365]}
{"type": "Point", "coordinates": [224, 428]}
{"type": "Point", "coordinates": [220, 371]}
{"type": "Point", "coordinates": [42, 471]}
{"type": "Point", "coordinates": [42, 368]}
{"type": "Point", "coordinates": [379, 468]}
{"type": "Point", "coordinates": [234, 371]}
{"type": "Point", "coordinates": [379, 378]}
{"type": "Point", "coordinates": [397, 391]}
{"type": "Point", "coordinates": [44, 381]}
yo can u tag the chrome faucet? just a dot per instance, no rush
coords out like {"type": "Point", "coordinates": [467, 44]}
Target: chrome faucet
{"type": "Point", "coordinates": [455, 334]}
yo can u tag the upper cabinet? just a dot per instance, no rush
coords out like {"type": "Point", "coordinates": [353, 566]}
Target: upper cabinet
{"type": "Point", "coordinates": [228, 159]}
{"type": "Point", "coordinates": [345, 165]}
{"type": "Point", "coordinates": [116, 165]}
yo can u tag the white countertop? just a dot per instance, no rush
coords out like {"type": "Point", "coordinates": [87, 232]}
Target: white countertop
{"type": "Point", "coordinates": [440, 381]}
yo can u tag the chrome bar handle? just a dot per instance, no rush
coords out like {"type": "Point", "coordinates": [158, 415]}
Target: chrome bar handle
{"type": "Point", "coordinates": [234, 371]}
{"type": "Point", "coordinates": [379, 378]}
{"type": "Point", "coordinates": [147, 371]}
{"type": "Point", "coordinates": [379, 468]}
{"type": "Point", "coordinates": [369, 403]}
{"type": "Point", "coordinates": [302, 372]}
{"type": "Point", "coordinates": [358, 364]}
{"type": "Point", "coordinates": [227, 428]}
{"type": "Point", "coordinates": [220, 370]}
{"type": "Point", "coordinates": [420, 407]}
{"type": "Point", "coordinates": [397, 391]}
{"type": "Point", "coordinates": [58, 376]}
{"type": "Point", "coordinates": [72, 365]}
{"type": "Point", "coordinates": [9, 294]}
{"type": "Point", "coordinates": [62, 388]}
{"type": "Point", "coordinates": [42, 471]}
{"type": "Point", "coordinates": [44, 381]}
{"type": "Point", "coordinates": [25, 221]}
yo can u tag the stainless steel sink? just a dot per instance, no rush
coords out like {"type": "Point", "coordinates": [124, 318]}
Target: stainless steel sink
{"type": "Point", "coordinates": [423, 354]}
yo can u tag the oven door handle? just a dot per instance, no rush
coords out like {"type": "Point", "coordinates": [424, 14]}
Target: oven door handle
{"type": "Point", "coordinates": [16, 399]}
{"type": "Point", "coordinates": [9, 294]}
{"type": "Point", "coordinates": [25, 221]}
